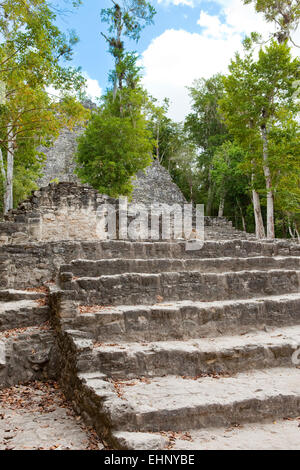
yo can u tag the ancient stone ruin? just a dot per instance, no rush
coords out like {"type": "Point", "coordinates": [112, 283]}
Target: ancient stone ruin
{"type": "Point", "coordinates": [152, 185]}
{"type": "Point", "coordinates": [146, 338]}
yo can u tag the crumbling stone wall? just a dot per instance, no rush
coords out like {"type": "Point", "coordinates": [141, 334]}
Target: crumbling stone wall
{"type": "Point", "coordinates": [69, 211]}
{"type": "Point", "coordinates": [33, 264]}
{"type": "Point", "coordinates": [31, 355]}
{"type": "Point", "coordinates": [64, 211]}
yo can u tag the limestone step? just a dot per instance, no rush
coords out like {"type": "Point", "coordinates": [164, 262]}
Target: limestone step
{"type": "Point", "coordinates": [186, 319]}
{"type": "Point", "coordinates": [268, 435]}
{"type": "Point", "coordinates": [141, 288]}
{"type": "Point", "coordinates": [175, 403]}
{"type": "Point", "coordinates": [94, 268]}
{"type": "Point", "coordinates": [7, 295]}
{"type": "Point", "coordinates": [177, 249]}
{"type": "Point", "coordinates": [140, 441]}
{"type": "Point", "coordinates": [274, 435]}
{"type": "Point", "coordinates": [223, 355]}
{"type": "Point", "coordinates": [22, 313]}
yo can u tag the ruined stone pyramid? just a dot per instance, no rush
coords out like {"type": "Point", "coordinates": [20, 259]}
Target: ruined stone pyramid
{"type": "Point", "coordinates": [155, 346]}
{"type": "Point", "coordinates": [152, 185]}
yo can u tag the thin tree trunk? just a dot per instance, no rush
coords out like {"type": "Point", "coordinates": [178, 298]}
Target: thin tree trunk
{"type": "Point", "coordinates": [3, 172]}
{"type": "Point", "coordinates": [268, 179]}
{"type": "Point", "coordinates": [242, 216]}
{"type": "Point", "coordinates": [291, 231]}
{"type": "Point", "coordinates": [259, 224]}
{"type": "Point", "coordinates": [191, 191]}
{"type": "Point", "coordinates": [243, 222]}
{"type": "Point", "coordinates": [8, 195]}
{"type": "Point", "coordinates": [3, 175]}
{"type": "Point", "coordinates": [210, 195]}
{"type": "Point", "coordinates": [221, 206]}
{"type": "Point", "coordinates": [157, 143]}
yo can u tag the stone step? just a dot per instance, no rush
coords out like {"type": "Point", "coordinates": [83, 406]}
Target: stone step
{"type": "Point", "coordinates": [94, 268]}
{"type": "Point", "coordinates": [223, 355]}
{"type": "Point", "coordinates": [274, 435]}
{"type": "Point", "coordinates": [10, 295]}
{"type": "Point", "coordinates": [22, 313]}
{"type": "Point", "coordinates": [186, 319]}
{"type": "Point", "coordinates": [140, 441]}
{"type": "Point", "coordinates": [175, 403]}
{"type": "Point", "coordinates": [177, 249]}
{"type": "Point", "coordinates": [141, 288]}
{"type": "Point", "coordinates": [268, 435]}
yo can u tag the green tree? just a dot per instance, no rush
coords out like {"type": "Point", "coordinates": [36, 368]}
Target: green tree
{"type": "Point", "coordinates": [31, 52]}
{"type": "Point", "coordinates": [256, 93]}
{"type": "Point", "coordinates": [285, 157]}
{"type": "Point", "coordinates": [113, 148]}
{"type": "Point", "coordinates": [206, 128]}
{"type": "Point", "coordinates": [117, 142]}
{"type": "Point", "coordinates": [231, 182]}
{"type": "Point", "coordinates": [285, 14]}
{"type": "Point", "coordinates": [126, 19]}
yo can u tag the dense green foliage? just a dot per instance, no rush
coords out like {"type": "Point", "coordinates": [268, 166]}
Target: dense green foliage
{"type": "Point", "coordinates": [114, 147]}
{"type": "Point", "coordinates": [32, 51]}
{"type": "Point", "coordinates": [246, 130]}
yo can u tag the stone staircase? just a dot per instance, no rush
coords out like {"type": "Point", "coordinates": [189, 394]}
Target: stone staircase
{"type": "Point", "coordinates": [156, 340]}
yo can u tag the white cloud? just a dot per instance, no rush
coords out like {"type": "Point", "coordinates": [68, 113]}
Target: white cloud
{"type": "Point", "coordinates": [177, 57]}
{"type": "Point", "coordinates": [212, 25]}
{"type": "Point", "coordinates": [93, 88]}
{"type": "Point", "coordinates": [189, 3]}
{"type": "Point", "coordinates": [238, 18]}
{"type": "Point", "coordinates": [243, 18]}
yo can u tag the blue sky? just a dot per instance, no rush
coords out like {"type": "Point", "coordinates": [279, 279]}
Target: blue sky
{"type": "Point", "coordinates": [190, 39]}
{"type": "Point", "coordinates": [91, 52]}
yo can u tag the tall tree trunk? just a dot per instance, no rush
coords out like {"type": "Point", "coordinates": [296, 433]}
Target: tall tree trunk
{"type": "Point", "coordinates": [2, 168]}
{"type": "Point", "coordinates": [3, 176]}
{"type": "Point", "coordinates": [221, 206]}
{"type": "Point", "coordinates": [242, 216]}
{"type": "Point", "coordinates": [259, 224]}
{"type": "Point", "coordinates": [8, 194]}
{"type": "Point", "coordinates": [191, 191]}
{"type": "Point", "coordinates": [210, 195]}
{"type": "Point", "coordinates": [157, 142]}
{"type": "Point", "coordinates": [268, 179]}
